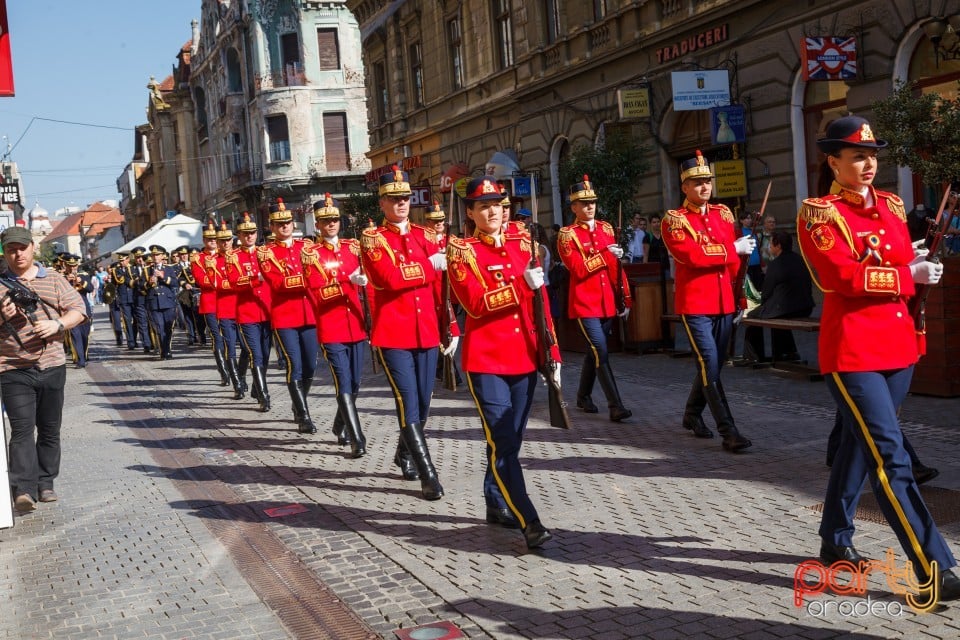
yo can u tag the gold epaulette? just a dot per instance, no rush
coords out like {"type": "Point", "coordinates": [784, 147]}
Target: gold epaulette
{"type": "Point", "coordinates": [370, 238]}
{"type": "Point", "coordinates": [232, 258]}
{"type": "Point", "coordinates": [264, 252]}
{"type": "Point", "coordinates": [819, 211]}
{"type": "Point", "coordinates": [459, 250]}
{"type": "Point", "coordinates": [352, 245]}
{"type": "Point", "coordinates": [606, 226]}
{"type": "Point", "coordinates": [894, 203]}
{"type": "Point", "coordinates": [429, 233]}
{"type": "Point", "coordinates": [675, 219]}
{"type": "Point", "coordinates": [195, 258]}
{"type": "Point", "coordinates": [725, 213]}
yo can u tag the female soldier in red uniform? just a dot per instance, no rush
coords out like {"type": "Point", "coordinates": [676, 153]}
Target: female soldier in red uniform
{"type": "Point", "coordinates": [856, 244]}
{"type": "Point", "coordinates": [204, 268]}
{"type": "Point", "coordinates": [491, 277]}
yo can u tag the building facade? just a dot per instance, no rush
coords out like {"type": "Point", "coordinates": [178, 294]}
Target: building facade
{"type": "Point", "coordinates": [456, 82]}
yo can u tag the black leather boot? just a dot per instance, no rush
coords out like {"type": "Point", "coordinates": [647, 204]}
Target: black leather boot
{"type": "Point", "coordinates": [221, 368]}
{"type": "Point", "coordinates": [351, 419]}
{"type": "Point", "coordinates": [587, 375]}
{"type": "Point", "coordinates": [430, 486]}
{"type": "Point", "coordinates": [609, 385]}
{"type": "Point", "coordinates": [693, 411]}
{"type": "Point", "coordinates": [231, 367]}
{"type": "Point", "coordinates": [343, 438]}
{"type": "Point", "coordinates": [301, 411]}
{"type": "Point", "coordinates": [241, 366]}
{"type": "Point", "coordinates": [403, 460]}
{"type": "Point", "coordinates": [732, 440]}
{"type": "Point", "coordinates": [260, 384]}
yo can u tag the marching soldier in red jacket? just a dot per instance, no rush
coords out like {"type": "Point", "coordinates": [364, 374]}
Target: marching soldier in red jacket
{"type": "Point", "coordinates": [253, 307]}
{"type": "Point", "coordinates": [491, 276]}
{"type": "Point", "coordinates": [857, 246]}
{"type": "Point", "coordinates": [227, 313]}
{"type": "Point", "coordinates": [589, 251]}
{"type": "Point", "coordinates": [706, 248]}
{"type": "Point", "coordinates": [401, 259]}
{"type": "Point", "coordinates": [291, 309]}
{"type": "Point", "coordinates": [335, 278]}
{"type": "Point", "coordinates": [204, 267]}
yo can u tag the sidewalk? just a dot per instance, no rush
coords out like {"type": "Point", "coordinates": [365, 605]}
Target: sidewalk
{"type": "Point", "coordinates": [161, 529]}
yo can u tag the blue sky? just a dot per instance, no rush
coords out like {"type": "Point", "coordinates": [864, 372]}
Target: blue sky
{"type": "Point", "coordinates": [86, 62]}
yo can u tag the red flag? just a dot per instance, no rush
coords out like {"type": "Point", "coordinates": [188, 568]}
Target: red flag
{"type": "Point", "coordinates": [6, 61]}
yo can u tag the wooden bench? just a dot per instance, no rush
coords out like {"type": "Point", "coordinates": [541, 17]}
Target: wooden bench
{"type": "Point", "coordinates": [791, 324]}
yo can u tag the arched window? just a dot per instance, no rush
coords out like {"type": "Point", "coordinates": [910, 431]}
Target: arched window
{"type": "Point", "coordinates": [234, 78]}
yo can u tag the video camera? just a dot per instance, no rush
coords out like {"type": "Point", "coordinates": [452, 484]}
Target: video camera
{"type": "Point", "coordinates": [25, 299]}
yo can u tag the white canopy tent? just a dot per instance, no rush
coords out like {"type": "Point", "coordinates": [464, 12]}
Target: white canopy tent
{"type": "Point", "coordinates": [169, 233]}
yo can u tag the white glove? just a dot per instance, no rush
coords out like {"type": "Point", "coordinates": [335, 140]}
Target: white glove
{"type": "Point", "coordinates": [924, 272]}
{"type": "Point", "coordinates": [625, 313]}
{"type": "Point", "coordinates": [919, 246]}
{"type": "Point", "coordinates": [616, 250]}
{"type": "Point", "coordinates": [452, 347]}
{"type": "Point", "coordinates": [359, 279]}
{"type": "Point", "coordinates": [534, 277]}
{"type": "Point", "coordinates": [439, 261]}
{"type": "Point", "coordinates": [745, 245]}
{"type": "Point", "coordinates": [556, 375]}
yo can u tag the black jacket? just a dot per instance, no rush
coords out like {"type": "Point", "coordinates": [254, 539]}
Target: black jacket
{"type": "Point", "coordinates": [787, 289]}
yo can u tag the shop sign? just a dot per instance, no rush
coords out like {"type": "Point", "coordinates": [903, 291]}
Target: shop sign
{"type": "Point", "coordinates": [633, 103]}
{"type": "Point", "coordinates": [692, 43]}
{"type": "Point", "coordinates": [829, 58]}
{"type": "Point", "coordinates": [730, 178]}
{"type": "Point", "coordinates": [727, 124]}
{"type": "Point", "coordinates": [453, 174]}
{"type": "Point", "coordinates": [10, 193]}
{"type": "Point", "coordinates": [699, 90]}
{"type": "Point", "coordinates": [523, 186]}
{"type": "Point", "coordinates": [420, 197]}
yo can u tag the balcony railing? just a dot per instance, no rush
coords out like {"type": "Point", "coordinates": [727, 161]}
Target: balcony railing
{"type": "Point", "coordinates": [292, 75]}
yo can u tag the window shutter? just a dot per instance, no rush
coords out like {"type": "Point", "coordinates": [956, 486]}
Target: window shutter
{"type": "Point", "coordinates": [329, 49]}
{"type": "Point", "coordinates": [335, 141]}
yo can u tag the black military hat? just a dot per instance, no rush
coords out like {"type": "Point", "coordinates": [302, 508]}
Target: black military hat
{"type": "Point", "coordinates": [121, 254]}
{"type": "Point", "coordinates": [157, 250]}
{"type": "Point", "coordinates": [395, 183]}
{"type": "Point", "coordinates": [695, 167]}
{"type": "Point", "coordinates": [246, 223]}
{"type": "Point", "coordinates": [583, 191]}
{"type": "Point", "coordinates": [849, 131]}
{"type": "Point", "coordinates": [325, 210]}
{"type": "Point", "coordinates": [483, 189]}
{"type": "Point", "coordinates": [69, 259]}
{"type": "Point", "coordinates": [137, 252]}
{"type": "Point", "coordinates": [279, 213]}
{"type": "Point", "coordinates": [182, 250]}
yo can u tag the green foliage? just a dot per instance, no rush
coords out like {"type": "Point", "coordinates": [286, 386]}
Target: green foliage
{"type": "Point", "coordinates": [359, 209]}
{"type": "Point", "coordinates": [923, 131]}
{"type": "Point", "coordinates": [614, 169]}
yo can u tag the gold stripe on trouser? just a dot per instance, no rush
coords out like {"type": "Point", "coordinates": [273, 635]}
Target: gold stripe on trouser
{"type": "Point", "coordinates": [882, 475]}
{"type": "Point", "coordinates": [396, 392]}
{"type": "Point", "coordinates": [154, 335]}
{"type": "Point", "coordinates": [493, 455]}
{"type": "Point", "coordinates": [245, 344]}
{"type": "Point", "coordinates": [286, 356]}
{"type": "Point", "coordinates": [333, 373]}
{"type": "Point", "coordinates": [68, 341]}
{"type": "Point", "coordinates": [596, 354]}
{"type": "Point", "coordinates": [693, 345]}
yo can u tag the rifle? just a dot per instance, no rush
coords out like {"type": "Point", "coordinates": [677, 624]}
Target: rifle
{"type": "Point", "coordinates": [545, 342]}
{"type": "Point", "coordinates": [619, 296]}
{"type": "Point", "coordinates": [446, 317]}
{"type": "Point", "coordinates": [934, 243]}
{"type": "Point", "coordinates": [365, 303]}
{"type": "Point", "coordinates": [741, 279]}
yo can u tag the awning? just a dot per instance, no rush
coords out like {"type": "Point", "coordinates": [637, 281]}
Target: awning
{"type": "Point", "coordinates": [169, 233]}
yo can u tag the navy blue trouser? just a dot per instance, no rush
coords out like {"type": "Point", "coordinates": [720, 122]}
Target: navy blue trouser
{"type": "Point", "coordinates": [504, 404]}
{"type": "Point", "coordinates": [140, 317]}
{"type": "Point", "coordinates": [346, 364]}
{"type": "Point", "coordinates": [80, 343]}
{"type": "Point", "coordinates": [162, 322]}
{"type": "Point", "coordinates": [213, 325]}
{"type": "Point", "coordinates": [255, 337]}
{"type": "Point", "coordinates": [411, 373]}
{"type": "Point", "coordinates": [126, 315]}
{"type": "Point", "coordinates": [228, 329]}
{"type": "Point", "coordinates": [596, 331]}
{"type": "Point", "coordinates": [709, 337]}
{"type": "Point", "coordinates": [299, 349]}
{"type": "Point", "coordinates": [872, 447]}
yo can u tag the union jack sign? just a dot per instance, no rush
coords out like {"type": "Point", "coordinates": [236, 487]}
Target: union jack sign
{"type": "Point", "coordinates": [829, 58]}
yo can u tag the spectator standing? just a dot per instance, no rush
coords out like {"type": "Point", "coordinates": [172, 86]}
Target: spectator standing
{"type": "Point", "coordinates": [639, 240]}
{"type": "Point", "coordinates": [33, 368]}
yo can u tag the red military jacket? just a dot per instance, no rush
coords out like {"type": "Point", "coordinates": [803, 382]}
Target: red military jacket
{"type": "Point", "coordinates": [339, 312]}
{"type": "Point", "coordinates": [291, 304]}
{"type": "Point", "coordinates": [253, 293]}
{"type": "Point", "coordinates": [500, 336]}
{"type": "Point", "coordinates": [593, 270]}
{"type": "Point", "coordinates": [226, 295]}
{"type": "Point", "coordinates": [204, 269]}
{"type": "Point", "coordinates": [858, 255]}
{"type": "Point", "coordinates": [404, 301]}
{"type": "Point", "coordinates": [706, 262]}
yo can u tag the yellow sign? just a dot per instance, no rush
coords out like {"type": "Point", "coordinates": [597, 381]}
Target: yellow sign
{"type": "Point", "coordinates": [460, 186]}
{"type": "Point", "coordinates": [633, 103]}
{"type": "Point", "coordinates": [730, 178]}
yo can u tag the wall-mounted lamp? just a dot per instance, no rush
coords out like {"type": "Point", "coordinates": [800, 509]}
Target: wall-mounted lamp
{"type": "Point", "coordinates": [944, 34]}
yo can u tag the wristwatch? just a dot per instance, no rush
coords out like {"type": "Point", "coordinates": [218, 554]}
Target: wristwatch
{"type": "Point", "coordinates": [60, 324]}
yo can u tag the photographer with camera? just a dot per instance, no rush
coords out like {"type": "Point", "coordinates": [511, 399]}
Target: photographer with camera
{"type": "Point", "coordinates": [37, 306]}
